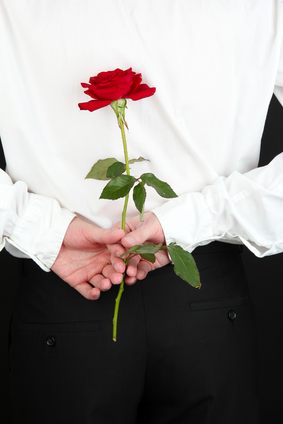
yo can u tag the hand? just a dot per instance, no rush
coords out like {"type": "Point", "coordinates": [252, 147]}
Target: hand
{"type": "Point", "coordinates": [138, 233]}
{"type": "Point", "coordinates": [84, 258]}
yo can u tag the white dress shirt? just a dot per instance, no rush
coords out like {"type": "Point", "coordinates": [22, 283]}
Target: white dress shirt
{"type": "Point", "coordinates": [215, 66]}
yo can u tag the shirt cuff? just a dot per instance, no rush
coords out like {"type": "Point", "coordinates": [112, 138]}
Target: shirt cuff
{"type": "Point", "coordinates": [40, 231]}
{"type": "Point", "coordinates": [186, 220]}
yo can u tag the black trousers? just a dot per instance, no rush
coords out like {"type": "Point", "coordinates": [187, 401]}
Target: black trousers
{"type": "Point", "coordinates": [183, 355]}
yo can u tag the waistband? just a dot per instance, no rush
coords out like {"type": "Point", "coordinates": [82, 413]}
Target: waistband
{"type": "Point", "coordinates": [213, 247]}
{"type": "Point", "coordinates": [217, 246]}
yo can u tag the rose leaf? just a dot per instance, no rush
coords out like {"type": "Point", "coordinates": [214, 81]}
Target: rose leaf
{"type": "Point", "coordinates": [99, 169]}
{"type": "Point", "coordinates": [118, 187]}
{"type": "Point", "coordinates": [131, 250]}
{"type": "Point", "coordinates": [184, 265]}
{"type": "Point", "coordinates": [140, 159]}
{"type": "Point", "coordinates": [139, 196]}
{"type": "Point", "coordinates": [148, 257]}
{"type": "Point", "coordinates": [148, 248]}
{"type": "Point", "coordinates": [162, 188]}
{"type": "Point", "coordinates": [115, 170]}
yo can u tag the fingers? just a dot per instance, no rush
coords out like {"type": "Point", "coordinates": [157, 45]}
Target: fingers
{"type": "Point", "coordinates": [117, 262]}
{"type": "Point", "coordinates": [90, 258]}
{"type": "Point", "coordinates": [139, 272]}
{"type": "Point", "coordinates": [87, 291]}
{"type": "Point", "coordinates": [92, 289]}
{"type": "Point", "coordinates": [136, 237]}
{"type": "Point", "coordinates": [80, 231]}
{"type": "Point", "coordinates": [100, 235]}
{"type": "Point", "coordinates": [143, 269]}
{"type": "Point", "coordinates": [132, 270]}
{"type": "Point", "coordinates": [149, 230]}
{"type": "Point", "coordinates": [111, 275]}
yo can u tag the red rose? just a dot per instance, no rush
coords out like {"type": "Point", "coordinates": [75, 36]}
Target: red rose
{"type": "Point", "coordinates": [114, 85]}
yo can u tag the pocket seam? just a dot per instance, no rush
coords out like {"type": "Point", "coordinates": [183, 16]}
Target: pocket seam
{"type": "Point", "coordinates": [219, 303]}
{"type": "Point", "coordinates": [63, 327]}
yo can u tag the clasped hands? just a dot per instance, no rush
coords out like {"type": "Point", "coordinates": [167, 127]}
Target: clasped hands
{"type": "Point", "coordinates": [89, 259]}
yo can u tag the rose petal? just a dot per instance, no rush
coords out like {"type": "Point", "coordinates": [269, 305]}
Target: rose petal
{"type": "Point", "coordinates": [137, 79]}
{"type": "Point", "coordinates": [85, 85]}
{"type": "Point", "coordinates": [115, 92]}
{"type": "Point", "coordinates": [141, 92]}
{"type": "Point", "coordinates": [91, 94]}
{"type": "Point", "coordinates": [94, 105]}
{"type": "Point", "coordinates": [114, 85]}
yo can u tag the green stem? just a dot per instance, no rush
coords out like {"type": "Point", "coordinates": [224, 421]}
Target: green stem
{"type": "Point", "coordinates": [116, 310]}
{"type": "Point", "coordinates": [142, 214]}
{"type": "Point", "coordinates": [122, 128]}
{"type": "Point", "coordinates": [125, 212]}
{"type": "Point", "coordinates": [121, 289]}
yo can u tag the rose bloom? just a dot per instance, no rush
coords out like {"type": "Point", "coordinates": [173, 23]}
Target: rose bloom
{"type": "Point", "coordinates": [114, 85]}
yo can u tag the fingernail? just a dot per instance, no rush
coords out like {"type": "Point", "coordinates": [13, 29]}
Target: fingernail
{"type": "Point", "coordinates": [115, 230]}
{"type": "Point", "coordinates": [107, 286]}
{"type": "Point", "coordinates": [130, 240]}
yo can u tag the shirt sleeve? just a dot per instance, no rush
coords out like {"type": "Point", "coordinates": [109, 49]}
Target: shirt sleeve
{"type": "Point", "coordinates": [242, 208]}
{"type": "Point", "coordinates": [278, 89]}
{"type": "Point", "coordinates": [31, 224]}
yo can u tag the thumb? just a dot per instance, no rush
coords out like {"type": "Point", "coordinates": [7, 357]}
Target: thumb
{"type": "Point", "coordinates": [131, 239]}
{"type": "Point", "coordinates": [104, 236]}
{"type": "Point", "coordinates": [145, 232]}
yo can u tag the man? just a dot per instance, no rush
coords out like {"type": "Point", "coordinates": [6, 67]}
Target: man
{"type": "Point", "coordinates": [182, 355]}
